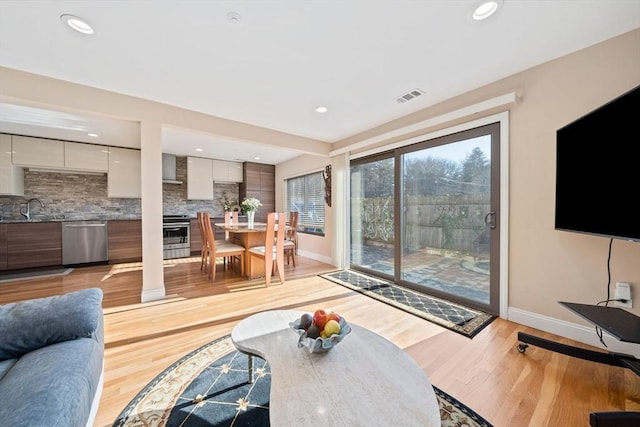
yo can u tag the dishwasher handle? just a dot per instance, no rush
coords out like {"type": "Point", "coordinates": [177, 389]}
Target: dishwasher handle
{"type": "Point", "coordinates": [84, 225]}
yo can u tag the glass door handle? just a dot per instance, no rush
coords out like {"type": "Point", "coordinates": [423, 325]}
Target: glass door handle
{"type": "Point", "coordinates": [490, 220]}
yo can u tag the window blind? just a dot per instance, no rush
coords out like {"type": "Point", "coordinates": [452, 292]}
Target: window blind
{"type": "Point", "coordinates": [305, 195]}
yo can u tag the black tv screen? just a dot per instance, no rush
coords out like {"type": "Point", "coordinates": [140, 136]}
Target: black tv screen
{"type": "Point", "coordinates": [598, 171]}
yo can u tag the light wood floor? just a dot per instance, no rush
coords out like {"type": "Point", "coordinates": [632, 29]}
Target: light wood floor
{"type": "Point", "coordinates": [538, 388]}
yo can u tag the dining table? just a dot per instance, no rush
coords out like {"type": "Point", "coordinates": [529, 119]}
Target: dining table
{"type": "Point", "coordinates": [241, 234]}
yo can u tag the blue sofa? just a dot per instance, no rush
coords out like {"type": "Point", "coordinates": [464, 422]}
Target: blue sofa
{"type": "Point", "coordinates": [51, 360]}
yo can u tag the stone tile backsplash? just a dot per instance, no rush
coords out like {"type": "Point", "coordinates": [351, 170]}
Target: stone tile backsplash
{"type": "Point", "coordinates": [174, 196]}
{"type": "Point", "coordinates": [81, 196]}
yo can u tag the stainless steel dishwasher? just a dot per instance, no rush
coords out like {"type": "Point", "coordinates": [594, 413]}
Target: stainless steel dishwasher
{"type": "Point", "coordinates": [84, 242]}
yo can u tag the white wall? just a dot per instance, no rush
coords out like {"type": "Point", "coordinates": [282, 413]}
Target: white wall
{"type": "Point", "coordinates": [311, 246]}
{"type": "Point", "coordinates": [545, 265]}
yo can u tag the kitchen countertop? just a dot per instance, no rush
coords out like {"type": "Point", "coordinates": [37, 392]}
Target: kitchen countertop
{"type": "Point", "coordinates": [50, 219]}
{"type": "Point", "coordinates": [95, 218]}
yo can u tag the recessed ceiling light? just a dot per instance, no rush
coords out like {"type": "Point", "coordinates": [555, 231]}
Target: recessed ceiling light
{"type": "Point", "coordinates": [93, 135]}
{"type": "Point", "coordinates": [321, 109]}
{"type": "Point", "coordinates": [256, 158]}
{"type": "Point", "coordinates": [485, 9]}
{"type": "Point", "coordinates": [77, 24]}
{"type": "Point", "coordinates": [199, 150]}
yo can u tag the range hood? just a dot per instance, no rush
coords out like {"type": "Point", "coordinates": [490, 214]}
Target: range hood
{"type": "Point", "coordinates": [169, 169]}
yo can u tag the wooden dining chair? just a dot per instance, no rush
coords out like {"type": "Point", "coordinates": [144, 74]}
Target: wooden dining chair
{"type": "Point", "coordinates": [203, 240]}
{"type": "Point", "coordinates": [291, 238]}
{"type": "Point", "coordinates": [273, 248]}
{"type": "Point", "coordinates": [230, 218]}
{"type": "Point", "coordinates": [222, 249]}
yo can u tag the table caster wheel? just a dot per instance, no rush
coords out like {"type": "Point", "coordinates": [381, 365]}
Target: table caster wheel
{"type": "Point", "coordinates": [522, 347]}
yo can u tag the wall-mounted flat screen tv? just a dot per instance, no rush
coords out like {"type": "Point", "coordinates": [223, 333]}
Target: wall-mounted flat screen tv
{"type": "Point", "coordinates": [598, 171]}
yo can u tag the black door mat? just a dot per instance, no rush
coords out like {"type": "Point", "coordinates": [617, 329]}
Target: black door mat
{"type": "Point", "coordinates": [35, 274]}
{"type": "Point", "coordinates": [464, 320]}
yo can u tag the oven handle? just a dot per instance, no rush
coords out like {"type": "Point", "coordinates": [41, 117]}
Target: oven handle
{"type": "Point", "coordinates": [176, 225]}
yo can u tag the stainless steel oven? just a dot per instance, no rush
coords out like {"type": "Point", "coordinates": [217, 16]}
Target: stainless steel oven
{"type": "Point", "coordinates": [176, 236]}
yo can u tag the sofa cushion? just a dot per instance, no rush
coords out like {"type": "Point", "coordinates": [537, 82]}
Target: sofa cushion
{"type": "Point", "coordinates": [5, 365]}
{"type": "Point", "coordinates": [53, 386]}
{"type": "Point", "coordinates": [29, 325]}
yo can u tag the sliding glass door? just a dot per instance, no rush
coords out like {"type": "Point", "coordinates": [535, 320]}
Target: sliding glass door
{"type": "Point", "coordinates": [425, 216]}
{"type": "Point", "coordinates": [372, 215]}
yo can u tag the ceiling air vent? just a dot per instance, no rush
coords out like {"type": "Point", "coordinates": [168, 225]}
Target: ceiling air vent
{"type": "Point", "coordinates": [409, 96]}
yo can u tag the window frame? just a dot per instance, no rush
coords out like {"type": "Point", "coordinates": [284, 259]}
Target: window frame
{"type": "Point", "coordinates": [305, 225]}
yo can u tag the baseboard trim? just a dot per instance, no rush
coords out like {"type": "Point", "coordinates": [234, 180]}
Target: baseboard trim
{"type": "Point", "coordinates": [155, 294]}
{"type": "Point", "coordinates": [315, 256]}
{"type": "Point", "coordinates": [574, 331]}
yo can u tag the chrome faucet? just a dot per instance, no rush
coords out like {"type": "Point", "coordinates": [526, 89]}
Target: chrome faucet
{"type": "Point", "coordinates": [26, 212]}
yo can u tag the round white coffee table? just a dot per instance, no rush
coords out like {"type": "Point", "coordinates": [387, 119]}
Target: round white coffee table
{"type": "Point", "coordinates": [365, 380]}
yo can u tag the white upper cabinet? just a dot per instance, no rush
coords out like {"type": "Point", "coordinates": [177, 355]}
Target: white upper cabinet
{"type": "Point", "coordinates": [220, 170]}
{"type": "Point", "coordinates": [124, 176]}
{"type": "Point", "coordinates": [224, 171]}
{"type": "Point", "coordinates": [199, 179]}
{"type": "Point", "coordinates": [235, 171]}
{"type": "Point", "coordinates": [59, 155]}
{"type": "Point", "coordinates": [37, 152]}
{"type": "Point", "coordinates": [86, 157]}
{"type": "Point", "coordinates": [11, 177]}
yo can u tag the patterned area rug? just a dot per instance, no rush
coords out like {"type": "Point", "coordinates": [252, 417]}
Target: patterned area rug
{"type": "Point", "coordinates": [463, 320]}
{"type": "Point", "coordinates": [209, 387]}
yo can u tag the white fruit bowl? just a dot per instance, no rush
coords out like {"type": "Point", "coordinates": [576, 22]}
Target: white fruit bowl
{"type": "Point", "coordinates": [320, 345]}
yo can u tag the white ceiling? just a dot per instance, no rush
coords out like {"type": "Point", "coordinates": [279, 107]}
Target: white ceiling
{"type": "Point", "coordinates": [284, 58]}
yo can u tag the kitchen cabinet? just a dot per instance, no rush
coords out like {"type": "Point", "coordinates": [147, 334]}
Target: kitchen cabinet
{"type": "Point", "coordinates": [259, 182]}
{"type": "Point", "coordinates": [11, 177]}
{"type": "Point", "coordinates": [124, 175]}
{"type": "Point", "coordinates": [56, 155]}
{"type": "Point", "coordinates": [124, 240]}
{"type": "Point", "coordinates": [86, 157]}
{"type": "Point", "coordinates": [195, 239]}
{"type": "Point", "coordinates": [37, 152]}
{"type": "Point", "coordinates": [34, 244]}
{"type": "Point", "coordinates": [236, 170]}
{"type": "Point", "coordinates": [224, 171]}
{"type": "Point", "coordinates": [199, 179]}
{"type": "Point", "coordinates": [220, 170]}
{"type": "Point", "coordinates": [3, 246]}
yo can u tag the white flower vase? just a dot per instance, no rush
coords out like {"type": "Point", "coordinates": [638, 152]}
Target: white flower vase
{"type": "Point", "coordinates": [250, 215]}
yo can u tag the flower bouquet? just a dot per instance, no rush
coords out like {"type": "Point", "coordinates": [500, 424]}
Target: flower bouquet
{"type": "Point", "coordinates": [249, 206]}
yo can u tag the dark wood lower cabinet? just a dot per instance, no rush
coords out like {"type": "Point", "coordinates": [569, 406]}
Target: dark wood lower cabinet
{"type": "Point", "coordinates": [3, 246]}
{"type": "Point", "coordinates": [125, 240]}
{"type": "Point", "coordinates": [195, 241]}
{"type": "Point", "coordinates": [33, 245]}
{"type": "Point", "coordinates": [194, 231]}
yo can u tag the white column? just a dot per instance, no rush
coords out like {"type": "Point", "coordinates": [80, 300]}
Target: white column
{"type": "Point", "coordinates": [151, 170]}
{"type": "Point", "coordinates": [340, 209]}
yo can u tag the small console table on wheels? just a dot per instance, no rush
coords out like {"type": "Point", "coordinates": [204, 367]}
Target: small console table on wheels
{"type": "Point", "coordinates": [621, 324]}
{"type": "Point", "coordinates": [365, 380]}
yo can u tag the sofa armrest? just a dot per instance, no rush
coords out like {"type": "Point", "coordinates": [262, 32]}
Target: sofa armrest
{"type": "Point", "coordinates": [28, 325]}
